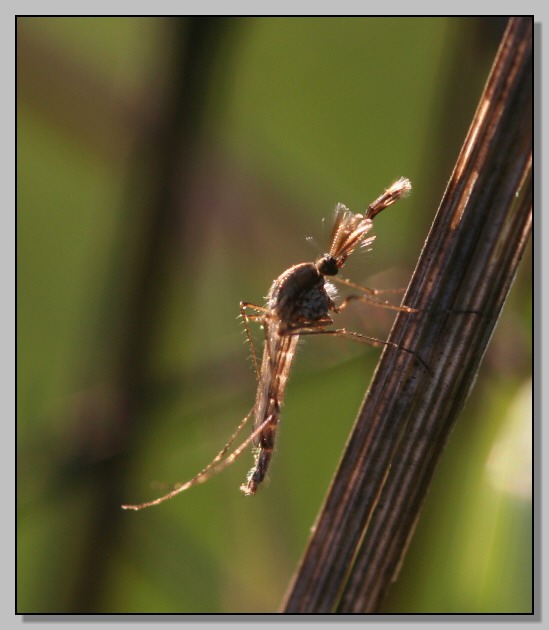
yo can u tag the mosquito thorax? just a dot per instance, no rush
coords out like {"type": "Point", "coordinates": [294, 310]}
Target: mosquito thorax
{"type": "Point", "coordinates": [327, 265]}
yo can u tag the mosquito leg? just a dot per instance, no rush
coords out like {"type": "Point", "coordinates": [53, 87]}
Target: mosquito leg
{"type": "Point", "coordinates": [367, 290]}
{"type": "Point", "coordinates": [368, 296]}
{"type": "Point", "coordinates": [218, 463]}
{"type": "Point", "coordinates": [370, 300]}
{"type": "Point", "coordinates": [215, 466]}
{"type": "Point", "coordinates": [246, 318]}
{"type": "Point", "coordinates": [373, 341]}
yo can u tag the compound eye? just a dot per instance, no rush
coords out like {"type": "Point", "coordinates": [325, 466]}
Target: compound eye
{"type": "Point", "coordinates": [327, 266]}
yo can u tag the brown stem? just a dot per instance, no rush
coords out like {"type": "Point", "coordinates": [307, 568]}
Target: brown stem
{"type": "Point", "coordinates": [462, 279]}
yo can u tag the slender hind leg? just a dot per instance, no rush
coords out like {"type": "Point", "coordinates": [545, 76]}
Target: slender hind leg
{"type": "Point", "coordinates": [372, 341]}
{"type": "Point", "coordinates": [368, 295]}
{"type": "Point", "coordinates": [214, 467]}
{"type": "Point", "coordinates": [247, 318]}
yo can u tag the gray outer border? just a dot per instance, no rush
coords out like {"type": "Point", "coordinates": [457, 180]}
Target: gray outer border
{"type": "Point", "coordinates": [8, 617]}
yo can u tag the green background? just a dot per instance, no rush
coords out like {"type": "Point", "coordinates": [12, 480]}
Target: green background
{"type": "Point", "coordinates": [289, 116]}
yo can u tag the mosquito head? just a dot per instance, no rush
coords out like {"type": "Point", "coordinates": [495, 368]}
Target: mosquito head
{"type": "Point", "coordinates": [327, 265]}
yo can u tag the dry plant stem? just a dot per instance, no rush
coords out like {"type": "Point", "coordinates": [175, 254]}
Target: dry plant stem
{"type": "Point", "coordinates": [460, 284]}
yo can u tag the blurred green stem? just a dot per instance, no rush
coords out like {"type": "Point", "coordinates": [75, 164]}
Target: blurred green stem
{"type": "Point", "coordinates": [164, 157]}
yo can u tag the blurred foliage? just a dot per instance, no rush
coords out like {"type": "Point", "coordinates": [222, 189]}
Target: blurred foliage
{"type": "Point", "coordinates": [281, 119]}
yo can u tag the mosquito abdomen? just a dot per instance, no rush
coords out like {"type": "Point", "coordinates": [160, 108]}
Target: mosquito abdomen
{"type": "Point", "coordinates": [258, 472]}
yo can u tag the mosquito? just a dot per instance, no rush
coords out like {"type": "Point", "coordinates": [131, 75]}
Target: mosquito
{"type": "Point", "coordinates": [300, 302]}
